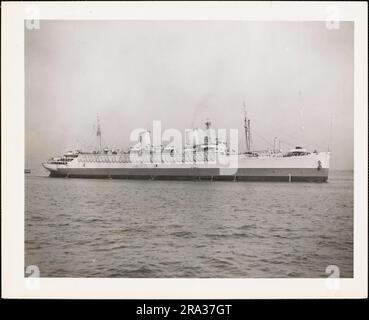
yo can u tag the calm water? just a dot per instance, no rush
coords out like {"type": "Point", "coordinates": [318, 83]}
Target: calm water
{"type": "Point", "coordinates": [131, 228]}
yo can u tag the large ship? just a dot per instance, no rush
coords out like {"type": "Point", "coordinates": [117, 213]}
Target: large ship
{"type": "Point", "coordinates": [203, 158]}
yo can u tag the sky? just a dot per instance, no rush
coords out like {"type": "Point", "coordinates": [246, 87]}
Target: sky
{"type": "Point", "coordinates": [296, 79]}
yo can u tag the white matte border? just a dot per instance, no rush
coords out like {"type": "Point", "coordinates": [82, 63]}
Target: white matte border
{"type": "Point", "coordinates": [15, 285]}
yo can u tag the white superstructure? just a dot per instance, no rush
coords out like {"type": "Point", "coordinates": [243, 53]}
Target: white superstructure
{"type": "Point", "coordinates": [203, 157]}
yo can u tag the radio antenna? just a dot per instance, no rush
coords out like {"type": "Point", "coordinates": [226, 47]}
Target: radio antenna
{"type": "Point", "coordinates": [247, 129]}
{"type": "Point", "coordinates": [98, 134]}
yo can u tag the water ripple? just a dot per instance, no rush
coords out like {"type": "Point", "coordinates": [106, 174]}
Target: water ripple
{"type": "Point", "coordinates": [127, 228]}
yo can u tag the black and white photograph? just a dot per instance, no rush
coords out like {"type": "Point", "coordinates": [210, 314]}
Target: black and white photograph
{"type": "Point", "coordinates": [199, 148]}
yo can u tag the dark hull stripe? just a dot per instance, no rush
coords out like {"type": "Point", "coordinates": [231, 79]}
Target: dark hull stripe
{"type": "Point", "coordinates": [292, 174]}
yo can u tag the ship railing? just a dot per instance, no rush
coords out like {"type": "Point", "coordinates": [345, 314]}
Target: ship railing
{"type": "Point", "coordinates": [150, 157]}
{"type": "Point", "coordinates": [262, 153]}
{"type": "Point", "coordinates": [56, 162]}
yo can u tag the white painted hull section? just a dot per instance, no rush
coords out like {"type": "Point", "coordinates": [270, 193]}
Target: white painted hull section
{"type": "Point", "coordinates": [306, 167]}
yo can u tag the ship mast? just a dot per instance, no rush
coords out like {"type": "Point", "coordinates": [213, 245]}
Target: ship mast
{"type": "Point", "coordinates": [208, 124]}
{"type": "Point", "coordinates": [247, 130]}
{"type": "Point", "coordinates": [98, 134]}
{"type": "Point", "coordinates": [207, 137]}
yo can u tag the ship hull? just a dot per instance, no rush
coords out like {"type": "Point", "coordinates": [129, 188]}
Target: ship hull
{"type": "Point", "coordinates": [241, 174]}
{"type": "Point", "coordinates": [312, 167]}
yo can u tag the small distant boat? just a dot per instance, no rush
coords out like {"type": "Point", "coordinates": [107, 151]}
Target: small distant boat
{"type": "Point", "coordinates": [27, 170]}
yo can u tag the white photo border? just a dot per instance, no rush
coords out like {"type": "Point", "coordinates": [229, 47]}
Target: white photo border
{"type": "Point", "coordinates": [15, 285]}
